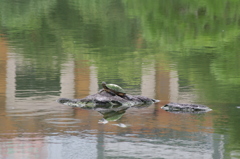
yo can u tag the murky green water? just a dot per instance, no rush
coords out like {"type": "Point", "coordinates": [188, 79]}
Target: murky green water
{"type": "Point", "coordinates": [175, 51]}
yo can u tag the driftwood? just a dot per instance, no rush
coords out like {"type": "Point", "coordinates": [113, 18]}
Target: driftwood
{"type": "Point", "coordinates": [103, 99]}
{"type": "Point", "coordinates": [186, 108]}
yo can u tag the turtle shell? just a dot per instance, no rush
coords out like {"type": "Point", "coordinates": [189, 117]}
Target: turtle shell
{"type": "Point", "coordinates": [115, 88]}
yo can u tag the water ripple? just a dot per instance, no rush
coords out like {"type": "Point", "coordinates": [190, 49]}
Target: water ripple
{"type": "Point", "coordinates": [62, 121]}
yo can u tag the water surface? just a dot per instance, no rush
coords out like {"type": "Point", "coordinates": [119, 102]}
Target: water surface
{"type": "Point", "coordinates": [181, 51]}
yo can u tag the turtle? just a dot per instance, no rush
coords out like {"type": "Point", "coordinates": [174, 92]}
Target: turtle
{"type": "Point", "coordinates": [114, 89]}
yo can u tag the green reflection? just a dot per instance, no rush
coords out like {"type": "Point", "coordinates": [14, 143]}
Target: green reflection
{"type": "Point", "coordinates": [117, 36]}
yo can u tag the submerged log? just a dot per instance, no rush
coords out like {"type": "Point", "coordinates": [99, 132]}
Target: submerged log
{"type": "Point", "coordinates": [186, 108]}
{"type": "Point", "coordinates": [103, 99]}
{"type": "Point", "coordinates": [110, 105]}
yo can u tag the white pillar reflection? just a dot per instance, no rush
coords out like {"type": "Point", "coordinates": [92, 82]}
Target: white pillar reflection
{"type": "Point", "coordinates": [173, 86]}
{"type": "Point", "coordinates": [93, 88]}
{"type": "Point", "coordinates": [67, 79]}
{"type": "Point", "coordinates": [148, 80]}
{"type": "Point", "coordinates": [11, 80]}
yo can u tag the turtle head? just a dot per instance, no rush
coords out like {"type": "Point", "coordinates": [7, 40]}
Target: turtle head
{"type": "Point", "coordinates": [104, 85]}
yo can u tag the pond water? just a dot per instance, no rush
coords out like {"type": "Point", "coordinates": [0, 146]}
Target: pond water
{"type": "Point", "coordinates": [174, 51]}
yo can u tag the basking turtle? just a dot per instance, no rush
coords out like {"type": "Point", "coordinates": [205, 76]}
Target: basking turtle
{"type": "Point", "coordinates": [114, 89]}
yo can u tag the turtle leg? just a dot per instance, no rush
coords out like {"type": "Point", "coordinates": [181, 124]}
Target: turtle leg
{"type": "Point", "coordinates": [108, 91]}
{"type": "Point", "coordinates": [124, 96]}
{"type": "Point", "coordinates": [127, 97]}
{"type": "Point", "coordinates": [112, 93]}
{"type": "Point", "coordinates": [100, 91]}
